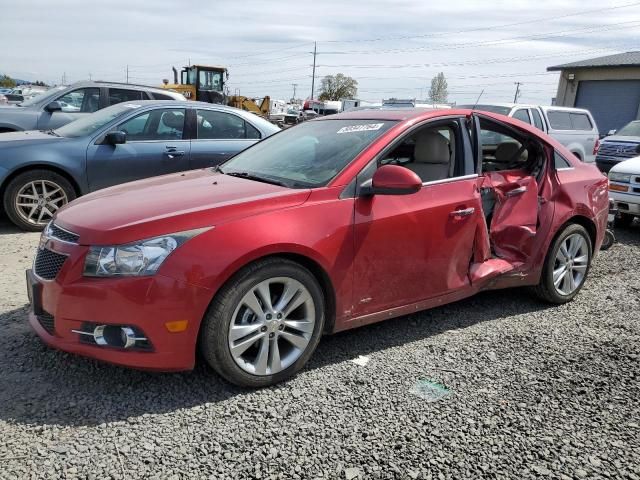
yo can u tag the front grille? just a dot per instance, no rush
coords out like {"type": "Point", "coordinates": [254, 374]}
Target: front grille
{"type": "Point", "coordinates": [48, 263]}
{"type": "Point", "coordinates": [54, 231]}
{"type": "Point", "coordinates": [47, 322]}
{"type": "Point", "coordinates": [618, 150]}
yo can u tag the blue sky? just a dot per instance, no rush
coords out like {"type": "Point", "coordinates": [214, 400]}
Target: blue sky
{"type": "Point", "coordinates": [392, 47]}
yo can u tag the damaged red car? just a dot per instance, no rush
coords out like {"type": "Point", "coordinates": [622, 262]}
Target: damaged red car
{"type": "Point", "coordinates": [335, 223]}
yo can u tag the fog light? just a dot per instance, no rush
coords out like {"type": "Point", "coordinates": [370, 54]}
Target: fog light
{"type": "Point", "coordinates": [119, 336]}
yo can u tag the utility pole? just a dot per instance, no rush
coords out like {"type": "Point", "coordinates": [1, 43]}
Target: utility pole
{"type": "Point", "coordinates": [313, 78]}
{"type": "Point", "coordinates": [294, 91]}
{"type": "Point", "coordinates": [127, 71]}
{"type": "Point", "coordinates": [515, 97]}
{"type": "Point", "coordinates": [89, 76]}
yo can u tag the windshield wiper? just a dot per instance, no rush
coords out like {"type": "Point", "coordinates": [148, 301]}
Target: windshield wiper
{"type": "Point", "coordinates": [257, 178]}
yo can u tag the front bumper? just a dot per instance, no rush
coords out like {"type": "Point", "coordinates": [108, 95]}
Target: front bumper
{"type": "Point", "coordinates": [147, 303]}
{"type": "Point", "coordinates": [626, 202]}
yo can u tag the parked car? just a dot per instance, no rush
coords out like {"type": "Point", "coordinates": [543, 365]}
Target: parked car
{"type": "Point", "coordinates": [619, 146]}
{"type": "Point", "coordinates": [574, 128]}
{"type": "Point", "coordinates": [40, 171]}
{"type": "Point", "coordinates": [624, 189]}
{"type": "Point", "coordinates": [60, 105]}
{"type": "Point", "coordinates": [332, 224]}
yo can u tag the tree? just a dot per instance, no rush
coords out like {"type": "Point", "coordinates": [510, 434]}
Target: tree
{"type": "Point", "coordinates": [438, 91]}
{"type": "Point", "coordinates": [7, 82]}
{"type": "Point", "coordinates": [338, 87]}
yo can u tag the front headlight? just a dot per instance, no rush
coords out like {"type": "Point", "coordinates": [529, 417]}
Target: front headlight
{"type": "Point", "coordinates": [135, 259]}
{"type": "Point", "coordinates": [619, 177]}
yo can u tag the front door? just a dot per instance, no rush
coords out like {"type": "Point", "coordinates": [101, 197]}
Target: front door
{"type": "Point", "coordinates": [154, 146]}
{"type": "Point", "coordinates": [219, 136]}
{"type": "Point", "coordinates": [414, 247]}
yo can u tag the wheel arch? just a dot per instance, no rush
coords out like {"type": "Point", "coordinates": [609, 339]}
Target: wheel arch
{"type": "Point", "coordinates": [316, 269]}
{"type": "Point", "coordinates": [40, 166]}
{"type": "Point", "coordinates": [588, 224]}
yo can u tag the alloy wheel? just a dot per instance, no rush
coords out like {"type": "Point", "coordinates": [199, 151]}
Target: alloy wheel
{"type": "Point", "coordinates": [272, 326]}
{"type": "Point", "coordinates": [571, 263]}
{"type": "Point", "coordinates": [36, 202]}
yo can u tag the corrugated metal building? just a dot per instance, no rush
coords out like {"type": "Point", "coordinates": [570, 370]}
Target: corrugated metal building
{"type": "Point", "coordinates": [608, 86]}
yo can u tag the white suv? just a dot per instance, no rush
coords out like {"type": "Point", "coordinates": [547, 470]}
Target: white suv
{"type": "Point", "coordinates": [575, 128]}
{"type": "Point", "coordinates": [624, 189]}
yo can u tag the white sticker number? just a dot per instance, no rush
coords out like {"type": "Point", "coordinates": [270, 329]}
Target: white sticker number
{"type": "Point", "coordinates": [361, 128]}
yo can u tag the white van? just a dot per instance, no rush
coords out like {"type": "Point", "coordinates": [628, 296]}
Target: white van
{"type": "Point", "coordinates": [575, 128]}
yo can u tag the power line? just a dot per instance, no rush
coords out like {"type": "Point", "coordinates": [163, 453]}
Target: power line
{"type": "Point", "coordinates": [501, 41]}
{"type": "Point", "coordinates": [492, 27]}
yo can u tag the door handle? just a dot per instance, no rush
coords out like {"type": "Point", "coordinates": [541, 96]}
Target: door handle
{"type": "Point", "coordinates": [516, 191]}
{"type": "Point", "coordinates": [174, 154]}
{"type": "Point", "coordinates": [465, 212]}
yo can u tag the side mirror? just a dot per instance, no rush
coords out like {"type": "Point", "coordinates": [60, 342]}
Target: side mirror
{"type": "Point", "coordinates": [393, 180]}
{"type": "Point", "coordinates": [612, 132]}
{"type": "Point", "coordinates": [115, 138]}
{"type": "Point", "coordinates": [53, 107]}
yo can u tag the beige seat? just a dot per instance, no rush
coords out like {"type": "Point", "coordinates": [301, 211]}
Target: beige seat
{"type": "Point", "coordinates": [431, 156]}
{"type": "Point", "coordinates": [507, 152]}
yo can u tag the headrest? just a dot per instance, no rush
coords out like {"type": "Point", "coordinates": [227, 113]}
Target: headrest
{"type": "Point", "coordinates": [431, 147]}
{"type": "Point", "coordinates": [506, 152]}
{"type": "Point", "coordinates": [172, 120]}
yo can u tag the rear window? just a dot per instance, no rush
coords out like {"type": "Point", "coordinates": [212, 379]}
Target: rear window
{"type": "Point", "coordinates": [559, 120]}
{"type": "Point", "coordinates": [161, 96]}
{"type": "Point", "coordinates": [569, 120]}
{"type": "Point", "coordinates": [580, 121]}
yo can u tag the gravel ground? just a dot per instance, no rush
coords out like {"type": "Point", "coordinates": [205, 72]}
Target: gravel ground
{"type": "Point", "coordinates": [533, 391]}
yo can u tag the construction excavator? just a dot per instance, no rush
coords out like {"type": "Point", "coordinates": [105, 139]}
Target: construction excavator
{"type": "Point", "coordinates": [206, 83]}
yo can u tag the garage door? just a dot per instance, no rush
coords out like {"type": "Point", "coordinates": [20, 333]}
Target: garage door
{"type": "Point", "coordinates": [613, 103]}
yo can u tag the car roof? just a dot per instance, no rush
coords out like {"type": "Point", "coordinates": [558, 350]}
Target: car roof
{"type": "Point", "coordinates": [398, 114]}
{"type": "Point", "coordinates": [134, 86]}
{"type": "Point", "coordinates": [564, 109]}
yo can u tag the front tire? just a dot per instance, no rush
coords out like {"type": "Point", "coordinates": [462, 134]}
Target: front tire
{"type": "Point", "coordinates": [32, 198]}
{"type": "Point", "coordinates": [566, 266]}
{"type": "Point", "coordinates": [264, 325]}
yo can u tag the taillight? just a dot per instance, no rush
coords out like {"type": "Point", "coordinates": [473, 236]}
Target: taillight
{"type": "Point", "coordinates": [596, 147]}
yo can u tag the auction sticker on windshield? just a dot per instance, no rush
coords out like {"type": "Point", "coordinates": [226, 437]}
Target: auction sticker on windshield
{"type": "Point", "coordinates": [361, 128]}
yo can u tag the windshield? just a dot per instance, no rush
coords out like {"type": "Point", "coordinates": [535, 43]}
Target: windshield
{"type": "Point", "coordinates": [41, 97]}
{"type": "Point", "coordinates": [488, 108]}
{"type": "Point", "coordinates": [631, 129]}
{"type": "Point", "coordinates": [90, 123]}
{"type": "Point", "coordinates": [308, 155]}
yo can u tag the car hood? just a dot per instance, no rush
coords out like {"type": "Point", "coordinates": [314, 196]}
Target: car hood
{"type": "Point", "coordinates": [30, 137]}
{"type": "Point", "coordinates": [169, 204]}
{"type": "Point", "coordinates": [621, 138]}
{"type": "Point", "coordinates": [628, 166]}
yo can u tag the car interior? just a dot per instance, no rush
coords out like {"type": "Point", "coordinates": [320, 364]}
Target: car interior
{"type": "Point", "coordinates": [429, 152]}
{"type": "Point", "coordinates": [511, 164]}
{"type": "Point", "coordinates": [166, 124]}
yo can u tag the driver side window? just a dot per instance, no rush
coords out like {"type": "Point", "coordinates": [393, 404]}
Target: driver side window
{"type": "Point", "coordinates": [431, 152]}
{"type": "Point", "coordinates": [83, 100]}
{"type": "Point", "coordinates": [162, 124]}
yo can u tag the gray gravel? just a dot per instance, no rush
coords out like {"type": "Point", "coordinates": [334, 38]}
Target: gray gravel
{"type": "Point", "coordinates": [534, 392]}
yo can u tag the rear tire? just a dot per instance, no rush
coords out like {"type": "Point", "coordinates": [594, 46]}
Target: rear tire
{"type": "Point", "coordinates": [623, 220]}
{"type": "Point", "coordinates": [273, 344]}
{"type": "Point", "coordinates": [33, 197]}
{"type": "Point", "coordinates": [561, 262]}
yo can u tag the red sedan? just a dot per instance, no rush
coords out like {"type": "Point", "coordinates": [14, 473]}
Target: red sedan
{"type": "Point", "coordinates": [332, 224]}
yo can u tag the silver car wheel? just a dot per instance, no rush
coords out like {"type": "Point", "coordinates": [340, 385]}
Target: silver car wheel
{"type": "Point", "coordinates": [36, 202]}
{"type": "Point", "coordinates": [272, 325]}
{"type": "Point", "coordinates": [571, 263]}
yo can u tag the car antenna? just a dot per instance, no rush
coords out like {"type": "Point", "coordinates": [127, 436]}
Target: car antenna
{"type": "Point", "coordinates": [476, 104]}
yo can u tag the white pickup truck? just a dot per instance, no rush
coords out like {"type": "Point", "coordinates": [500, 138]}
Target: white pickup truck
{"type": "Point", "coordinates": [624, 189]}
{"type": "Point", "coordinates": [575, 128]}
